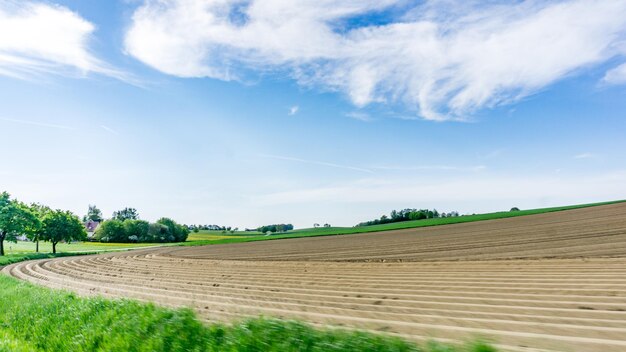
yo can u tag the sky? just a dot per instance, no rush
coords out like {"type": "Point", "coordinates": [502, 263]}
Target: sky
{"type": "Point", "coordinates": [250, 112]}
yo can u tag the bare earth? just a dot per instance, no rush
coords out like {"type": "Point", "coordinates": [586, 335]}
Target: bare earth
{"type": "Point", "coordinates": [550, 282]}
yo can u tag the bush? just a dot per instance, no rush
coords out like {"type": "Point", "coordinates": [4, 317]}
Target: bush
{"type": "Point", "coordinates": [175, 231]}
{"type": "Point", "coordinates": [136, 230]}
{"type": "Point", "coordinates": [111, 231]}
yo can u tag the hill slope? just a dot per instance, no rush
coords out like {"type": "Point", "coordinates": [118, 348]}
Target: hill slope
{"type": "Point", "coordinates": [591, 231]}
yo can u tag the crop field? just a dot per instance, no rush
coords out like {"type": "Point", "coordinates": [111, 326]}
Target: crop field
{"type": "Point", "coordinates": [547, 282]}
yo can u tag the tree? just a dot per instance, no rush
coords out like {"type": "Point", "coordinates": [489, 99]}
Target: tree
{"type": "Point", "coordinates": [126, 214]}
{"type": "Point", "coordinates": [158, 233]}
{"type": "Point", "coordinates": [136, 231]}
{"type": "Point", "coordinates": [111, 231]}
{"type": "Point", "coordinates": [59, 225]}
{"type": "Point", "coordinates": [40, 211]}
{"type": "Point", "coordinates": [176, 232]}
{"type": "Point", "coordinates": [514, 209]}
{"type": "Point", "coordinates": [15, 219]}
{"type": "Point", "coordinates": [93, 214]}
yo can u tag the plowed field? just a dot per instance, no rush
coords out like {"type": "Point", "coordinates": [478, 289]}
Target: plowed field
{"type": "Point", "coordinates": [553, 281]}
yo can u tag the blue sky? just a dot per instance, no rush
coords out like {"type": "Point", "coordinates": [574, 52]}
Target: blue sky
{"type": "Point", "coordinates": [244, 113]}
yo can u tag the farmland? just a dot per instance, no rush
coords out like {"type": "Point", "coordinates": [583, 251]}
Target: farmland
{"type": "Point", "coordinates": [206, 237]}
{"type": "Point", "coordinates": [552, 281]}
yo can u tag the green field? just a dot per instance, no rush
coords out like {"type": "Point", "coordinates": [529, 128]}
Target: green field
{"type": "Point", "coordinates": [330, 231]}
{"type": "Point", "coordinates": [34, 319]}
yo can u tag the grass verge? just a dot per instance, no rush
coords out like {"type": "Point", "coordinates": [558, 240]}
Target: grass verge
{"type": "Point", "coordinates": [34, 319]}
{"type": "Point", "coordinates": [15, 258]}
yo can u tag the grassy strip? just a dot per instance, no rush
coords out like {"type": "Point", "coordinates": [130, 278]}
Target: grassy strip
{"type": "Point", "coordinates": [34, 318]}
{"type": "Point", "coordinates": [15, 258]}
{"type": "Point", "coordinates": [46, 247]}
{"type": "Point", "coordinates": [397, 225]}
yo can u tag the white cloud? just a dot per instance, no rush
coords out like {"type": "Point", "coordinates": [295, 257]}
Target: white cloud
{"type": "Point", "coordinates": [616, 75]}
{"type": "Point", "coordinates": [38, 124]}
{"type": "Point", "coordinates": [585, 155]}
{"type": "Point", "coordinates": [441, 63]}
{"type": "Point", "coordinates": [314, 162]}
{"type": "Point", "coordinates": [38, 38]}
{"type": "Point", "coordinates": [110, 130]}
{"type": "Point", "coordinates": [293, 110]}
{"type": "Point", "coordinates": [361, 116]}
{"type": "Point", "coordinates": [430, 168]}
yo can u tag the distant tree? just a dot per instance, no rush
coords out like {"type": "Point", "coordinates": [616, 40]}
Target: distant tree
{"type": "Point", "coordinates": [111, 231]}
{"type": "Point", "coordinates": [164, 230]}
{"type": "Point", "coordinates": [15, 219]}
{"type": "Point", "coordinates": [275, 228]}
{"type": "Point", "coordinates": [93, 214]}
{"type": "Point", "coordinates": [406, 215]}
{"type": "Point", "coordinates": [316, 225]}
{"type": "Point", "coordinates": [136, 231]}
{"type": "Point", "coordinates": [158, 233]}
{"type": "Point", "coordinates": [326, 225]}
{"type": "Point", "coordinates": [176, 232]}
{"type": "Point", "coordinates": [59, 225]}
{"type": "Point", "coordinates": [126, 214]}
{"type": "Point", "coordinates": [40, 211]}
{"type": "Point", "coordinates": [514, 209]}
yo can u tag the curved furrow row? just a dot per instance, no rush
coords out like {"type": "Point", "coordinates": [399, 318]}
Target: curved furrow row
{"type": "Point", "coordinates": [397, 305]}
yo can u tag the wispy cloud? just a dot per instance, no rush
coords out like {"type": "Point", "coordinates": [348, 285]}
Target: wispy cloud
{"type": "Point", "coordinates": [40, 38]}
{"type": "Point", "coordinates": [361, 116]}
{"type": "Point", "coordinates": [492, 154]}
{"type": "Point", "coordinates": [478, 189]}
{"type": "Point", "coordinates": [314, 162]}
{"type": "Point", "coordinates": [293, 110]}
{"type": "Point", "coordinates": [585, 155]}
{"type": "Point", "coordinates": [430, 168]}
{"type": "Point", "coordinates": [37, 123]}
{"type": "Point", "coordinates": [442, 59]}
{"type": "Point", "coordinates": [616, 75]}
{"type": "Point", "coordinates": [110, 130]}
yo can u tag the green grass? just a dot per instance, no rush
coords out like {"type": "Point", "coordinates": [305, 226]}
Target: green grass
{"type": "Point", "coordinates": [208, 235]}
{"type": "Point", "coordinates": [15, 258]}
{"type": "Point", "coordinates": [37, 319]}
{"type": "Point", "coordinates": [46, 247]}
{"type": "Point", "coordinates": [330, 231]}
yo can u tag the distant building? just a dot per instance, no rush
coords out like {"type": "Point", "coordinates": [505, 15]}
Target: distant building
{"type": "Point", "coordinates": [91, 227]}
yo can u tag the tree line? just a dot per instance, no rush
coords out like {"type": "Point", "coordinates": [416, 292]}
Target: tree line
{"type": "Point", "coordinates": [197, 228]}
{"type": "Point", "coordinates": [407, 215]}
{"type": "Point", "coordinates": [126, 227]}
{"type": "Point", "coordinates": [140, 231]}
{"type": "Point", "coordinates": [38, 223]}
{"type": "Point", "coordinates": [275, 228]}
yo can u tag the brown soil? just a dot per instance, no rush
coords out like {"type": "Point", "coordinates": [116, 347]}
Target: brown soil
{"type": "Point", "coordinates": [564, 291]}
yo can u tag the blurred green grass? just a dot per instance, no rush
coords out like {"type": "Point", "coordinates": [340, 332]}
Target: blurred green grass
{"type": "Point", "coordinates": [34, 319]}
